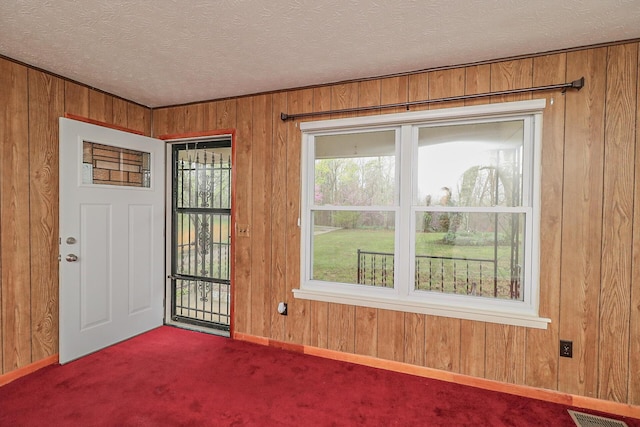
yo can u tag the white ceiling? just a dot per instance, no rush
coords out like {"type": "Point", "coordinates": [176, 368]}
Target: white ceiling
{"type": "Point", "coordinates": [166, 52]}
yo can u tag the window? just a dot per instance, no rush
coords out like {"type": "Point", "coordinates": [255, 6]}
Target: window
{"type": "Point", "coordinates": [431, 212]}
{"type": "Point", "coordinates": [108, 165]}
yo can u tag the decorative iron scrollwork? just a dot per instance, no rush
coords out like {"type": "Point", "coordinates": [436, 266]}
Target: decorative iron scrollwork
{"type": "Point", "coordinates": [204, 288]}
{"type": "Point", "coordinates": [202, 202]}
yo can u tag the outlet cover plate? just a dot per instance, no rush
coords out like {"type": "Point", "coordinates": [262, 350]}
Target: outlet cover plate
{"type": "Point", "coordinates": [566, 348]}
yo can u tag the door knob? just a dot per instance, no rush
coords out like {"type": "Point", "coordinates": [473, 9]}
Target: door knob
{"type": "Point", "coordinates": [71, 258]}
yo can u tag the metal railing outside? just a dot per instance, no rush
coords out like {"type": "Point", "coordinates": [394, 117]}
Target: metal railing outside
{"type": "Point", "coordinates": [457, 275]}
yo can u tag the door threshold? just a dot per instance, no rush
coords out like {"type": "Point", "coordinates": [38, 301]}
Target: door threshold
{"type": "Point", "coordinates": [197, 328]}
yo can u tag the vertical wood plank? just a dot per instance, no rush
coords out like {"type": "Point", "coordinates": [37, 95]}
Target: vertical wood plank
{"type": "Point", "coordinates": [100, 106]}
{"type": "Point", "coordinates": [504, 359]}
{"type": "Point", "coordinates": [194, 118]}
{"type": "Point", "coordinates": [634, 342]}
{"type": "Point", "coordinates": [511, 75]}
{"type": "Point", "coordinates": [505, 350]}
{"type": "Point", "coordinates": [617, 221]}
{"type": "Point", "coordinates": [319, 331]}
{"type": "Point", "coordinates": [344, 96]}
{"type": "Point", "coordinates": [443, 343]}
{"type": "Point", "coordinates": [176, 123]}
{"type": "Point", "coordinates": [366, 331]}
{"type": "Point", "coordinates": [366, 323]}
{"type": "Point", "coordinates": [298, 324]}
{"type": "Point", "coordinates": [473, 334]}
{"type": "Point", "coordinates": [76, 99]}
{"type": "Point", "coordinates": [582, 222]}
{"type": "Point", "coordinates": [242, 209]}
{"type": "Point", "coordinates": [369, 92]}
{"type": "Point", "coordinates": [46, 105]}
{"type": "Point", "coordinates": [419, 90]}
{"type": "Point", "coordinates": [139, 118]}
{"type": "Point", "coordinates": [391, 324]}
{"type": "Point", "coordinates": [391, 335]}
{"type": "Point", "coordinates": [5, 87]}
{"type": "Point", "coordinates": [542, 345]}
{"type": "Point", "coordinates": [120, 112]}
{"type": "Point", "coordinates": [278, 284]}
{"type": "Point", "coordinates": [14, 217]}
{"type": "Point", "coordinates": [261, 163]}
{"type": "Point", "coordinates": [169, 121]}
{"type": "Point", "coordinates": [342, 327]}
{"type": "Point", "coordinates": [321, 100]}
{"type": "Point", "coordinates": [415, 324]}
{"type": "Point", "coordinates": [341, 336]}
{"type": "Point", "coordinates": [477, 80]}
{"type": "Point", "coordinates": [394, 90]}
{"type": "Point", "coordinates": [446, 83]}
{"type": "Point", "coordinates": [160, 125]}
{"type": "Point", "coordinates": [414, 339]}
{"type": "Point", "coordinates": [442, 337]}
{"type": "Point", "coordinates": [226, 113]}
{"type": "Point", "coordinates": [211, 116]}
{"type": "Point", "coordinates": [472, 348]}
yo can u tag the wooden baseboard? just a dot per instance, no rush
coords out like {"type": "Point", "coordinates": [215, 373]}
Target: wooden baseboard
{"type": "Point", "coordinates": [26, 370]}
{"type": "Point", "coordinates": [615, 408]}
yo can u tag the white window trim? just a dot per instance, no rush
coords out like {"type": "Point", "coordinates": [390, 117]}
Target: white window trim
{"type": "Point", "coordinates": [401, 298]}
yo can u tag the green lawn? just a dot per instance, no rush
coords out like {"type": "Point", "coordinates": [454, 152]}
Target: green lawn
{"type": "Point", "coordinates": [335, 255]}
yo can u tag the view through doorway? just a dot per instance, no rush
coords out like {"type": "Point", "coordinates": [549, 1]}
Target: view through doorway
{"type": "Point", "coordinates": [200, 280]}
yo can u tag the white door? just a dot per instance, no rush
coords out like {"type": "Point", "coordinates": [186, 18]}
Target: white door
{"type": "Point", "coordinates": [112, 192]}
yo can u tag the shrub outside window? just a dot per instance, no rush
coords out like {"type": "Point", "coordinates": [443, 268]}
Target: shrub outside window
{"type": "Point", "coordinates": [432, 212]}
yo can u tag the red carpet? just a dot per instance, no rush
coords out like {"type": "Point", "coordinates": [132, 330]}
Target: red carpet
{"type": "Point", "coordinates": [174, 377]}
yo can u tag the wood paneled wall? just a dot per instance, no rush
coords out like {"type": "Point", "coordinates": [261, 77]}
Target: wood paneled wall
{"type": "Point", "coordinates": [590, 226]}
{"type": "Point", "coordinates": [31, 102]}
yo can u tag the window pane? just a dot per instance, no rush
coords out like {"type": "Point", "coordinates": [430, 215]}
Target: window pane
{"type": "Point", "coordinates": [108, 165]}
{"type": "Point", "coordinates": [354, 247]}
{"type": "Point", "coordinates": [356, 169]}
{"type": "Point", "coordinates": [479, 254]}
{"type": "Point", "coordinates": [477, 164]}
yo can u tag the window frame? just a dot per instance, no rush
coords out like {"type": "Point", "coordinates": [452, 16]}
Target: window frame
{"type": "Point", "coordinates": [402, 297]}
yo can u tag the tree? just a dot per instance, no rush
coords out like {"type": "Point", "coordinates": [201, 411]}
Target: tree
{"type": "Point", "coordinates": [359, 181]}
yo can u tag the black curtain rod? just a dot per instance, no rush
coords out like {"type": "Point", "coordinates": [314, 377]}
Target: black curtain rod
{"type": "Point", "coordinates": [576, 84]}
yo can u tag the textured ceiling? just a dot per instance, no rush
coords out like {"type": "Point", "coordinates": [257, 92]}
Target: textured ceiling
{"type": "Point", "coordinates": [166, 52]}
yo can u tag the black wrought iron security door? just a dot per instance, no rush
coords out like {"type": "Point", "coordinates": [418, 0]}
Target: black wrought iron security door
{"type": "Point", "coordinates": [201, 221]}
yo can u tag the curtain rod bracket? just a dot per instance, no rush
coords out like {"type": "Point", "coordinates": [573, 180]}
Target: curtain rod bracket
{"type": "Point", "coordinates": [576, 84]}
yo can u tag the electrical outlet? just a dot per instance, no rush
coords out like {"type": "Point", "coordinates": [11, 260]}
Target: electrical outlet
{"type": "Point", "coordinates": [566, 348]}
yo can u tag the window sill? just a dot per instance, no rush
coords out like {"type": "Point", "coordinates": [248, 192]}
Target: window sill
{"type": "Point", "coordinates": [397, 303]}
